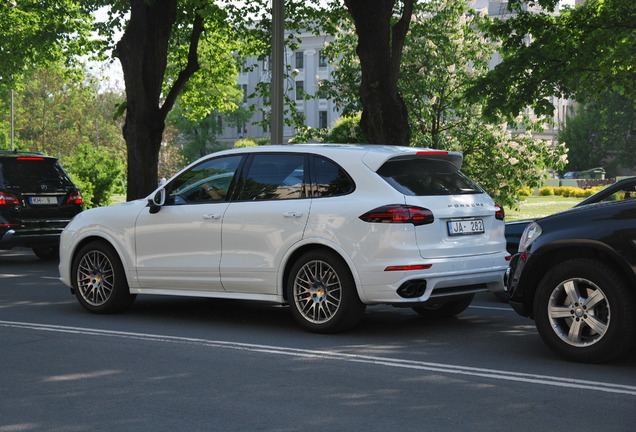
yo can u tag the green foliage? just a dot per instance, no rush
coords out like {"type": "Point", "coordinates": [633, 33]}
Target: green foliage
{"type": "Point", "coordinates": [55, 112]}
{"type": "Point", "coordinates": [579, 53]}
{"type": "Point", "coordinates": [95, 169]}
{"type": "Point", "coordinates": [600, 133]}
{"type": "Point", "coordinates": [502, 161]}
{"type": "Point", "coordinates": [444, 53]}
{"type": "Point", "coordinates": [35, 33]}
{"type": "Point", "coordinates": [247, 142]}
{"type": "Point", "coordinates": [525, 191]}
{"type": "Point", "coordinates": [547, 191]}
{"type": "Point", "coordinates": [346, 130]}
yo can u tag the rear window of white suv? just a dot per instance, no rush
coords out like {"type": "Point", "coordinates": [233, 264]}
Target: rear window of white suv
{"type": "Point", "coordinates": [423, 177]}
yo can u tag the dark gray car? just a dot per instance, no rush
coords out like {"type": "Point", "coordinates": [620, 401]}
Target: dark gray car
{"type": "Point", "coordinates": [37, 200]}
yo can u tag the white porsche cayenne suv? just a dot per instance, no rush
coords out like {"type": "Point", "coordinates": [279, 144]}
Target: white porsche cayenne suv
{"type": "Point", "coordinates": [327, 229]}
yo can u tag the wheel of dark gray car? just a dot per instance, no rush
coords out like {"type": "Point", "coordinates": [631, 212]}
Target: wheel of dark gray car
{"type": "Point", "coordinates": [441, 309]}
{"type": "Point", "coordinates": [584, 311]}
{"type": "Point", "coordinates": [99, 281]}
{"type": "Point", "coordinates": [322, 293]}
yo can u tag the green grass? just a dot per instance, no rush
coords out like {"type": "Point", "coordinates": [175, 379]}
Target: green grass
{"type": "Point", "coordinates": [533, 207]}
{"type": "Point", "coordinates": [117, 199]}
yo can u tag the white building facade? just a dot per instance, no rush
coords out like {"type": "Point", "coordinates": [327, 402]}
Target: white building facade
{"type": "Point", "coordinates": [308, 68]}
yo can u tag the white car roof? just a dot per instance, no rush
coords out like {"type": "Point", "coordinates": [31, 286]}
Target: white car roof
{"type": "Point", "coordinates": [373, 155]}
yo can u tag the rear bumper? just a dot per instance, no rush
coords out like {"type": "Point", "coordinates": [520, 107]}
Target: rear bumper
{"type": "Point", "coordinates": [447, 277]}
{"type": "Point", "coordinates": [30, 238]}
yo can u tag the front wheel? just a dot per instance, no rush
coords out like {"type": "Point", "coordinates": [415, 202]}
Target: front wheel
{"type": "Point", "coordinates": [99, 281]}
{"type": "Point", "coordinates": [584, 311]}
{"type": "Point", "coordinates": [322, 293]}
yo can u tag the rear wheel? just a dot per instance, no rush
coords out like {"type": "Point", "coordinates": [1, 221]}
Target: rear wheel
{"type": "Point", "coordinates": [99, 280]}
{"type": "Point", "coordinates": [584, 311]}
{"type": "Point", "coordinates": [441, 309]}
{"type": "Point", "coordinates": [322, 293]}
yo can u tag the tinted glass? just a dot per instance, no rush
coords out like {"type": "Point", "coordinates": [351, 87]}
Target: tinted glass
{"type": "Point", "coordinates": [274, 176]}
{"type": "Point", "coordinates": [421, 177]}
{"type": "Point", "coordinates": [331, 179]}
{"type": "Point", "coordinates": [204, 183]}
{"type": "Point", "coordinates": [33, 175]}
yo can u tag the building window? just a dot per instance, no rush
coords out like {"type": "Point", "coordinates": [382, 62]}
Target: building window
{"type": "Point", "coordinates": [300, 60]}
{"type": "Point", "coordinates": [322, 60]}
{"type": "Point", "coordinates": [322, 92]}
{"type": "Point", "coordinates": [300, 92]}
{"type": "Point", "coordinates": [322, 119]}
{"type": "Point", "coordinates": [244, 87]}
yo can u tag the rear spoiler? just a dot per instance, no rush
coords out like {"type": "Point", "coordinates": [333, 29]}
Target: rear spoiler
{"type": "Point", "coordinates": [375, 160]}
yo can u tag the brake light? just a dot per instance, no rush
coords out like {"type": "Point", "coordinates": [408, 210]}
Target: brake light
{"type": "Point", "coordinates": [8, 199]}
{"type": "Point", "coordinates": [500, 214]}
{"type": "Point", "coordinates": [30, 158]}
{"type": "Point", "coordinates": [432, 152]}
{"type": "Point", "coordinates": [398, 213]}
{"type": "Point", "coordinates": [75, 198]}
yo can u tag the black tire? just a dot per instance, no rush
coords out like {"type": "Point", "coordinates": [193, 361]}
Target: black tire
{"type": "Point", "coordinates": [442, 309]}
{"type": "Point", "coordinates": [99, 281]}
{"type": "Point", "coordinates": [322, 293]}
{"type": "Point", "coordinates": [47, 253]}
{"type": "Point", "coordinates": [585, 312]}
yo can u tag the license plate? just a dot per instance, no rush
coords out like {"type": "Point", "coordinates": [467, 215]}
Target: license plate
{"type": "Point", "coordinates": [43, 200]}
{"type": "Point", "coordinates": [465, 227]}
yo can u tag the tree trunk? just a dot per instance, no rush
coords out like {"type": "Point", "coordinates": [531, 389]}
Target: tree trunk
{"type": "Point", "coordinates": [384, 113]}
{"type": "Point", "coordinates": [143, 53]}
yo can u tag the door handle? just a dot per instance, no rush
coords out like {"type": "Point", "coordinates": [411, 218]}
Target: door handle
{"type": "Point", "coordinates": [211, 216]}
{"type": "Point", "coordinates": [293, 214]}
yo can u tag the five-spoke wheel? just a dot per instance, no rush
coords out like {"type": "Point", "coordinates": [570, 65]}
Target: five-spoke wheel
{"type": "Point", "coordinates": [583, 311]}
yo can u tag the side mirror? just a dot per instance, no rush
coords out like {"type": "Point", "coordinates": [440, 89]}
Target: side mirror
{"type": "Point", "coordinates": [157, 200]}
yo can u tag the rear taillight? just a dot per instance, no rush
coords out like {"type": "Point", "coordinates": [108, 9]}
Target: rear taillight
{"type": "Point", "coordinates": [75, 198]}
{"type": "Point", "coordinates": [500, 214]}
{"type": "Point", "coordinates": [8, 199]}
{"type": "Point", "coordinates": [397, 213]}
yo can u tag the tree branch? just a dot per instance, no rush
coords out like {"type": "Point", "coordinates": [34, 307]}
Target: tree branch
{"type": "Point", "coordinates": [190, 69]}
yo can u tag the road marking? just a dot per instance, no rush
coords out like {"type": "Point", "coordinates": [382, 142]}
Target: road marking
{"type": "Point", "coordinates": [353, 358]}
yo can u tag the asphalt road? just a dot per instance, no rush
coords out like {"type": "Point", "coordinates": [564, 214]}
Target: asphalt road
{"type": "Point", "coordinates": [183, 364]}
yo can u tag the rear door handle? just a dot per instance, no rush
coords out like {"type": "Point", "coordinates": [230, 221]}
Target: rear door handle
{"type": "Point", "coordinates": [211, 216]}
{"type": "Point", "coordinates": [293, 214]}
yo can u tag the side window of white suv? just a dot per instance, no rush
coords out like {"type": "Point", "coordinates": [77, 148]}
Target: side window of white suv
{"type": "Point", "coordinates": [274, 176]}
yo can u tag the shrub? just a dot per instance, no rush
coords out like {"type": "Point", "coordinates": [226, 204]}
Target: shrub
{"type": "Point", "coordinates": [546, 191]}
{"type": "Point", "coordinates": [96, 171]}
{"type": "Point", "coordinates": [247, 142]}
{"type": "Point", "coordinates": [525, 191]}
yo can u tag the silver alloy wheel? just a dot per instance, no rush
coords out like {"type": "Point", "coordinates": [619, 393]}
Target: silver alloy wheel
{"type": "Point", "coordinates": [95, 278]}
{"type": "Point", "coordinates": [579, 312]}
{"type": "Point", "coordinates": [317, 291]}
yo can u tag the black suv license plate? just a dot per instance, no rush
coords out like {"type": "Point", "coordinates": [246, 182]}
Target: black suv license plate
{"type": "Point", "coordinates": [42, 200]}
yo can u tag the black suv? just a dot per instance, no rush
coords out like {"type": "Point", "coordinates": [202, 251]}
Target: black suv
{"type": "Point", "coordinates": [37, 200]}
{"type": "Point", "coordinates": [575, 275]}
